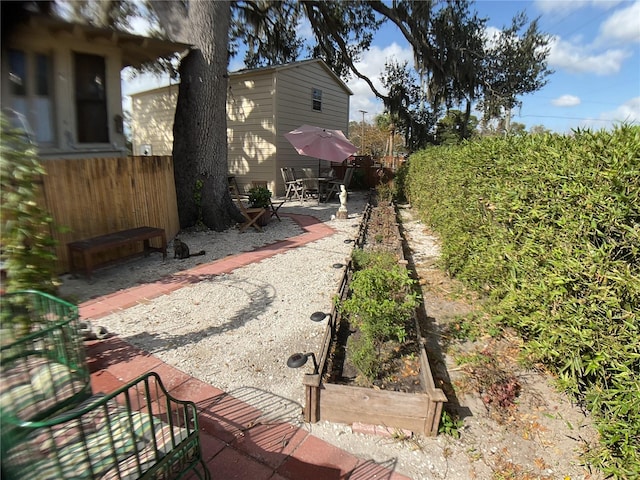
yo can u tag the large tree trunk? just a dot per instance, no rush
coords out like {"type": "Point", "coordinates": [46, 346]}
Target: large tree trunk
{"type": "Point", "coordinates": [465, 121]}
{"type": "Point", "coordinates": [200, 124]}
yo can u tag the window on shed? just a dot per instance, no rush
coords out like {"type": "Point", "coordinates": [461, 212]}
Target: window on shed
{"type": "Point", "coordinates": [317, 99]}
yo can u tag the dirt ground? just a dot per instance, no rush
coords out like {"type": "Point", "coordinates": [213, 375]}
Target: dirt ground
{"type": "Point", "coordinates": [513, 424]}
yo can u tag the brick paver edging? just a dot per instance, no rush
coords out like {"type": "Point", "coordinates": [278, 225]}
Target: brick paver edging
{"type": "Point", "coordinates": [314, 229]}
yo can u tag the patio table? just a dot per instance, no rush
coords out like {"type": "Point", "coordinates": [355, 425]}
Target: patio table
{"type": "Point", "coordinates": [318, 186]}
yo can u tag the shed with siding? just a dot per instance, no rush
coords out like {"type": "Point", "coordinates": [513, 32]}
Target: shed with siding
{"type": "Point", "coordinates": [262, 105]}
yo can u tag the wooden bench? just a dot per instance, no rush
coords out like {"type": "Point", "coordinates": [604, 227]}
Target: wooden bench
{"type": "Point", "coordinates": [88, 248]}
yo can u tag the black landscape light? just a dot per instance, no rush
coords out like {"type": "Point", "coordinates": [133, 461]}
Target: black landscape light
{"type": "Point", "coordinates": [338, 265]}
{"type": "Point", "coordinates": [348, 240]}
{"type": "Point", "coordinates": [297, 360]}
{"type": "Point", "coordinates": [318, 316]}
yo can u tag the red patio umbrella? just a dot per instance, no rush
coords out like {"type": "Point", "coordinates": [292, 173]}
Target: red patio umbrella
{"type": "Point", "coordinates": [322, 143]}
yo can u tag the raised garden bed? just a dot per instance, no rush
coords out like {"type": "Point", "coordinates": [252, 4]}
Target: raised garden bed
{"type": "Point", "coordinates": [406, 398]}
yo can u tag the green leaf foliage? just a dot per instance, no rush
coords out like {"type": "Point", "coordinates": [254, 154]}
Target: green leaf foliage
{"type": "Point", "coordinates": [381, 302]}
{"type": "Point", "coordinates": [259, 197]}
{"type": "Point", "coordinates": [548, 227]}
{"type": "Point", "coordinates": [28, 253]}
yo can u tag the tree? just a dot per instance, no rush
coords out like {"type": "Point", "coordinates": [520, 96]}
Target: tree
{"type": "Point", "coordinates": [448, 47]}
{"type": "Point", "coordinates": [514, 65]}
{"type": "Point", "coordinates": [110, 14]}
{"type": "Point", "coordinates": [268, 29]}
{"type": "Point", "coordinates": [377, 136]}
{"type": "Point", "coordinates": [387, 123]}
{"type": "Point", "coordinates": [458, 47]}
{"type": "Point", "coordinates": [500, 126]}
{"type": "Point", "coordinates": [343, 31]}
{"type": "Point", "coordinates": [444, 34]}
{"type": "Point", "coordinates": [457, 65]}
{"type": "Point", "coordinates": [454, 127]}
{"type": "Point", "coordinates": [403, 102]}
{"type": "Point", "coordinates": [539, 130]}
{"type": "Point", "coordinates": [200, 125]}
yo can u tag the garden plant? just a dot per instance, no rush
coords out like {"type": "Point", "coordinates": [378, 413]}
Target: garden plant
{"type": "Point", "coordinates": [381, 303]}
{"type": "Point", "coordinates": [259, 197]}
{"type": "Point", "coordinates": [26, 244]}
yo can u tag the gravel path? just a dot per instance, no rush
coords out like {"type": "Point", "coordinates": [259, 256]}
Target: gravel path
{"type": "Point", "coordinates": [236, 332]}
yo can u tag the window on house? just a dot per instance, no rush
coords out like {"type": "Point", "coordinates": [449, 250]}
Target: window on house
{"type": "Point", "coordinates": [31, 93]}
{"type": "Point", "coordinates": [91, 98]}
{"type": "Point", "coordinates": [42, 100]}
{"type": "Point", "coordinates": [18, 73]}
{"type": "Point", "coordinates": [317, 99]}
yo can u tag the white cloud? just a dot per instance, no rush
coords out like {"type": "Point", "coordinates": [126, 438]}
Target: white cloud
{"type": "Point", "coordinates": [627, 112]}
{"type": "Point", "coordinates": [568, 6]}
{"type": "Point", "coordinates": [372, 65]}
{"type": "Point", "coordinates": [566, 101]}
{"type": "Point", "coordinates": [491, 36]}
{"type": "Point", "coordinates": [140, 26]}
{"type": "Point", "coordinates": [580, 59]}
{"type": "Point", "coordinates": [623, 25]}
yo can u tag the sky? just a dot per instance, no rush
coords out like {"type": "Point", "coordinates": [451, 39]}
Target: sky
{"type": "Point", "coordinates": [594, 53]}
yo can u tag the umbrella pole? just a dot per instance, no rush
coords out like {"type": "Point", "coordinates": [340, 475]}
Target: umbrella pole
{"type": "Point", "coordinates": [319, 180]}
{"type": "Point", "coordinates": [319, 177]}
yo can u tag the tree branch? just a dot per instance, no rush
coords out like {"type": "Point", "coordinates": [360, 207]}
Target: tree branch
{"type": "Point", "coordinates": [393, 15]}
{"type": "Point", "coordinates": [174, 18]}
{"type": "Point", "coordinates": [346, 56]}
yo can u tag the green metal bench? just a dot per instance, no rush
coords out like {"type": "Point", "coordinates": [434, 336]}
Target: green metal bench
{"type": "Point", "coordinates": [51, 427]}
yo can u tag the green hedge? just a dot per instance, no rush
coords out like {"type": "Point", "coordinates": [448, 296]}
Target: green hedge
{"type": "Point", "coordinates": [548, 227]}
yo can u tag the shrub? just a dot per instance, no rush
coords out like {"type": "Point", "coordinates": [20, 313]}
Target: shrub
{"type": "Point", "coordinates": [381, 302]}
{"type": "Point", "coordinates": [27, 244]}
{"type": "Point", "coordinates": [364, 355]}
{"type": "Point", "coordinates": [548, 227]}
{"type": "Point", "coordinates": [259, 197]}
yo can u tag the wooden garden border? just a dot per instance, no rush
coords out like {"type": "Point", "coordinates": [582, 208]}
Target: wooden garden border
{"type": "Point", "coordinates": [417, 412]}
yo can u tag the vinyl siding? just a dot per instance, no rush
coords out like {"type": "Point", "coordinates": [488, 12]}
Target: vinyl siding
{"type": "Point", "coordinates": [152, 120]}
{"type": "Point", "coordinates": [294, 108]}
{"type": "Point", "coordinates": [262, 105]}
{"type": "Point", "coordinates": [250, 128]}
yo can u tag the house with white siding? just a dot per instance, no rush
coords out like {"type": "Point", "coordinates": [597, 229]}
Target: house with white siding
{"type": "Point", "coordinates": [262, 105]}
{"type": "Point", "coordinates": [60, 81]}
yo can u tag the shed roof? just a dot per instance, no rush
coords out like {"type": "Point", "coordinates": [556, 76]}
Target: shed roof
{"type": "Point", "coordinates": [287, 66]}
{"type": "Point", "coordinates": [274, 68]}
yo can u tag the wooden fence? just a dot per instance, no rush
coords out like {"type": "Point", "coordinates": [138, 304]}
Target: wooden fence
{"type": "Point", "coordinates": [89, 197]}
{"type": "Point", "coordinates": [367, 174]}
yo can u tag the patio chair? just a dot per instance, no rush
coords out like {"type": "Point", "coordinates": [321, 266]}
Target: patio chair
{"type": "Point", "coordinates": [251, 214]}
{"type": "Point", "coordinates": [334, 185]}
{"type": "Point", "coordinates": [294, 187]}
{"type": "Point", "coordinates": [273, 206]}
